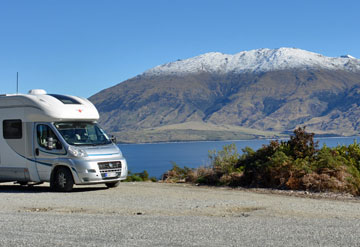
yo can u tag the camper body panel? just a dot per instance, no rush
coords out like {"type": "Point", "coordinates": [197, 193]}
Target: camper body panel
{"type": "Point", "coordinates": [15, 154]}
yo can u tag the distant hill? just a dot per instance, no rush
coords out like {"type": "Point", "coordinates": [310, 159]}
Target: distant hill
{"type": "Point", "coordinates": [259, 93]}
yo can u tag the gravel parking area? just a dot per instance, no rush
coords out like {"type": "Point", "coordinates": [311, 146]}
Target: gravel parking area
{"type": "Point", "coordinates": [155, 214]}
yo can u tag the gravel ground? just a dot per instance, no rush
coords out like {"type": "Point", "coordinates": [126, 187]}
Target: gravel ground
{"type": "Point", "coordinates": [156, 214]}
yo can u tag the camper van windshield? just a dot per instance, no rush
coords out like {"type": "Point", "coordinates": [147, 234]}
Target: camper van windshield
{"type": "Point", "coordinates": [82, 133]}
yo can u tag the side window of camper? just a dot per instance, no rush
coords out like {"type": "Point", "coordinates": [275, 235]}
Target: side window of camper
{"type": "Point", "coordinates": [47, 138]}
{"type": "Point", "coordinates": [12, 129]}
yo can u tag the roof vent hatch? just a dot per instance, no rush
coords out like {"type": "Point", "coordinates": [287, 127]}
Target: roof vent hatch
{"type": "Point", "coordinates": [37, 91]}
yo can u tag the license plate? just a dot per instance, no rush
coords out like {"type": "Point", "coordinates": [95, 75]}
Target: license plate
{"type": "Point", "coordinates": [110, 174]}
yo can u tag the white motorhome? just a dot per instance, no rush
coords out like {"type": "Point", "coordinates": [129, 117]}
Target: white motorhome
{"type": "Point", "coordinates": [55, 138]}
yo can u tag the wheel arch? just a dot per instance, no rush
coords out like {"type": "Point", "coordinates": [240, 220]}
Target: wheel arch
{"type": "Point", "coordinates": [73, 171]}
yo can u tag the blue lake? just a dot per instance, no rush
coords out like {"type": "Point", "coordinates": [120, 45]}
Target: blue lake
{"type": "Point", "coordinates": [157, 158]}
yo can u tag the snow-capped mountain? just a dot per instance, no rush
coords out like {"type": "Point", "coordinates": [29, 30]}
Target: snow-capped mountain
{"type": "Point", "coordinates": [260, 60]}
{"type": "Point", "coordinates": [219, 96]}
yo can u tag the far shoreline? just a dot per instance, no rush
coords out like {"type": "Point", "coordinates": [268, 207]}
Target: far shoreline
{"type": "Point", "coordinates": [317, 136]}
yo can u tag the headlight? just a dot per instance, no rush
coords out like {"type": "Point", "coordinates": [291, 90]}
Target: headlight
{"type": "Point", "coordinates": [77, 152]}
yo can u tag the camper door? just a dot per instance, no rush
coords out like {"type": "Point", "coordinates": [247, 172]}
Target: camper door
{"type": "Point", "coordinates": [48, 149]}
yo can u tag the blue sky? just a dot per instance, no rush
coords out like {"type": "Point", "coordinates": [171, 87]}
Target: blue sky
{"type": "Point", "coordinates": [80, 47]}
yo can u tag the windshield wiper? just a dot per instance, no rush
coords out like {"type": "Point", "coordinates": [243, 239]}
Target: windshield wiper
{"type": "Point", "coordinates": [90, 144]}
{"type": "Point", "coordinates": [103, 143]}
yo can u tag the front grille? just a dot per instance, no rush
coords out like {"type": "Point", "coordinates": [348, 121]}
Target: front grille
{"type": "Point", "coordinates": [110, 170]}
{"type": "Point", "coordinates": [109, 165]}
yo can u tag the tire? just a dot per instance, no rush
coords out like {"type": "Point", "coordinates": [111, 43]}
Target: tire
{"type": "Point", "coordinates": [62, 180]}
{"type": "Point", "coordinates": [113, 184]}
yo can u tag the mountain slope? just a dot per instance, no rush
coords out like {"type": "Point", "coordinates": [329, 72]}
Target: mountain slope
{"type": "Point", "coordinates": [268, 90]}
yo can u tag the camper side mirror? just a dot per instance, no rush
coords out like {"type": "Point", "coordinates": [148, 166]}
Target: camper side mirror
{"type": "Point", "coordinates": [113, 139]}
{"type": "Point", "coordinates": [50, 143]}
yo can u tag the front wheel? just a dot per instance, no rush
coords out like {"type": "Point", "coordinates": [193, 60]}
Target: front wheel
{"type": "Point", "coordinates": [113, 184]}
{"type": "Point", "coordinates": [62, 180]}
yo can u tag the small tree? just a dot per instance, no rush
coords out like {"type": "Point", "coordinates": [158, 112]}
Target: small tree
{"type": "Point", "coordinates": [302, 144]}
{"type": "Point", "coordinates": [225, 160]}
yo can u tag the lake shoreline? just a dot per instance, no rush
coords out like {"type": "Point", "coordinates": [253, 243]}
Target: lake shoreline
{"type": "Point", "coordinates": [231, 140]}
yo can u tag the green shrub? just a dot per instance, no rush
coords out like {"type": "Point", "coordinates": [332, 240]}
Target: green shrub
{"type": "Point", "coordinates": [144, 175]}
{"type": "Point", "coordinates": [302, 144]}
{"type": "Point", "coordinates": [206, 175]}
{"type": "Point", "coordinates": [225, 160]}
{"type": "Point", "coordinates": [139, 177]}
{"type": "Point", "coordinates": [255, 164]}
{"type": "Point", "coordinates": [177, 174]}
{"type": "Point", "coordinates": [153, 179]}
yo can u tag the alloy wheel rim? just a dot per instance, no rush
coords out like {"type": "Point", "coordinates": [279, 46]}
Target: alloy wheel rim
{"type": "Point", "coordinates": [62, 180]}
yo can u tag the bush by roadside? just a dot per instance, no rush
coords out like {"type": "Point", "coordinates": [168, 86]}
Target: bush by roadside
{"type": "Point", "coordinates": [296, 164]}
{"type": "Point", "coordinates": [139, 177]}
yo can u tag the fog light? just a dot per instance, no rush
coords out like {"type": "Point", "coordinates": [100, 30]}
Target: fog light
{"type": "Point", "coordinates": [91, 170]}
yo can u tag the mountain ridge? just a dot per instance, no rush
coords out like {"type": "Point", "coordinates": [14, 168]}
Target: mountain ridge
{"type": "Point", "coordinates": [326, 98]}
{"type": "Point", "coordinates": [259, 60]}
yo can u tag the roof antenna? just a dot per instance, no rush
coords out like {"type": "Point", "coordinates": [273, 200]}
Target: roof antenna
{"type": "Point", "coordinates": [17, 82]}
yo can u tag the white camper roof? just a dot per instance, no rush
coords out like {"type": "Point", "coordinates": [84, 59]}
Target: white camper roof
{"type": "Point", "coordinates": [38, 106]}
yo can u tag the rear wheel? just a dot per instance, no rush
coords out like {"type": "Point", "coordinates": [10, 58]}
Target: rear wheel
{"type": "Point", "coordinates": [62, 180]}
{"type": "Point", "coordinates": [113, 184]}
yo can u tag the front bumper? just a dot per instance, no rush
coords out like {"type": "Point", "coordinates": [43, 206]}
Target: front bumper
{"type": "Point", "coordinates": [99, 171]}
